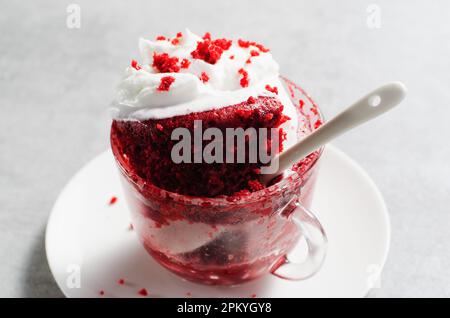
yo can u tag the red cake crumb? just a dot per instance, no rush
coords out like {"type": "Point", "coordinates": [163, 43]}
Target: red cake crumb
{"type": "Point", "coordinates": [301, 103]}
{"type": "Point", "coordinates": [243, 44]}
{"type": "Point", "coordinates": [272, 89]}
{"type": "Point", "coordinates": [204, 77]}
{"type": "Point", "coordinates": [283, 137]}
{"type": "Point", "coordinates": [160, 38]}
{"type": "Point", "coordinates": [223, 43]}
{"type": "Point", "coordinates": [244, 80]}
{"type": "Point", "coordinates": [166, 81]}
{"type": "Point", "coordinates": [261, 48]}
{"type": "Point", "coordinates": [143, 292]}
{"type": "Point", "coordinates": [121, 281]}
{"type": "Point", "coordinates": [112, 200]}
{"type": "Point", "coordinates": [253, 295]}
{"type": "Point", "coordinates": [101, 292]}
{"type": "Point", "coordinates": [244, 113]}
{"type": "Point", "coordinates": [247, 44]}
{"type": "Point", "coordinates": [163, 63]}
{"type": "Point", "coordinates": [185, 63]}
{"type": "Point", "coordinates": [248, 61]}
{"type": "Point", "coordinates": [231, 57]}
{"type": "Point", "coordinates": [131, 227]}
{"type": "Point", "coordinates": [254, 53]}
{"type": "Point", "coordinates": [209, 50]}
{"type": "Point", "coordinates": [317, 124]}
{"type": "Point", "coordinates": [255, 185]}
{"type": "Point", "coordinates": [207, 36]}
{"type": "Point", "coordinates": [135, 65]}
{"type": "Point", "coordinates": [188, 294]}
{"type": "Point", "coordinates": [176, 40]}
{"type": "Point", "coordinates": [251, 100]}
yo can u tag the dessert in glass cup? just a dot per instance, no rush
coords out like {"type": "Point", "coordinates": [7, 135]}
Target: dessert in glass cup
{"type": "Point", "coordinates": [214, 222]}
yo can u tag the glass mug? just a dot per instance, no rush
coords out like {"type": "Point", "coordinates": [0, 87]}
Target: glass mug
{"type": "Point", "coordinates": [231, 240]}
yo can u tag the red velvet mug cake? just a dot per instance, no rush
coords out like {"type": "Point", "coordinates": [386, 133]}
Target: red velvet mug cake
{"type": "Point", "coordinates": [214, 222]}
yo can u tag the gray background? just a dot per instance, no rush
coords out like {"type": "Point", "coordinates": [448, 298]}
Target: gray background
{"type": "Point", "coordinates": [56, 84]}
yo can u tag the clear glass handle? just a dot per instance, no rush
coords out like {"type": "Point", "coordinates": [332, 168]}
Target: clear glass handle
{"type": "Point", "coordinates": [316, 241]}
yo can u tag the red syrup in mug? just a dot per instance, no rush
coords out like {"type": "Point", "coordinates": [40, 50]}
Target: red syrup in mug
{"type": "Point", "coordinates": [221, 240]}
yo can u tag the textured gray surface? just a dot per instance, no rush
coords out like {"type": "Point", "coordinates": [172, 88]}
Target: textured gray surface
{"type": "Point", "coordinates": [56, 83]}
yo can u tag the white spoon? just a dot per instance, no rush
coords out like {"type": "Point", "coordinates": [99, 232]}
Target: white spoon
{"type": "Point", "coordinates": [370, 106]}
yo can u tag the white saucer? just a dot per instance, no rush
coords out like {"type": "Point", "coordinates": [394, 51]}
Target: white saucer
{"type": "Point", "coordinates": [90, 246]}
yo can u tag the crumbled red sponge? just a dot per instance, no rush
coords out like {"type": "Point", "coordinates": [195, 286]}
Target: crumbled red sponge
{"type": "Point", "coordinates": [251, 100]}
{"type": "Point", "coordinates": [135, 65]}
{"type": "Point", "coordinates": [317, 124]}
{"type": "Point", "coordinates": [144, 150]}
{"type": "Point", "coordinates": [204, 77]}
{"type": "Point", "coordinates": [247, 44]}
{"type": "Point", "coordinates": [143, 292]}
{"type": "Point", "coordinates": [185, 63]}
{"type": "Point", "coordinates": [269, 116]}
{"type": "Point", "coordinates": [113, 200]}
{"type": "Point", "coordinates": [223, 43]}
{"type": "Point", "coordinates": [244, 80]}
{"type": "Point", "coordinates": [301, 103]}
{"type": "Point", "coordinates": [160, 38]}
{"type": "Point", "coordinates": [164, 63]}
{"type": "Point", "coordinates": [272, 89]}
{"type": "Point", "coordinates": [207, 36]}
{"type": "Point", "coordinates": [210, 50]}
{"type": "Point", "coordinates": [207, 52]}
{"type": "Point", "coordinates": [166, 81]}
{"type": "Point", "coordinates": [253, 53]}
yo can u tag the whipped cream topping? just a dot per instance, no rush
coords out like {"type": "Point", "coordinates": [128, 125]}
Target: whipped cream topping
{"type": "Point", "coordinates": [138, 96]}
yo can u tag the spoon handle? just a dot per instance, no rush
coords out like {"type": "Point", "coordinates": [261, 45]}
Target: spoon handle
{"type": "Point", "coordinates": [370, 106]}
